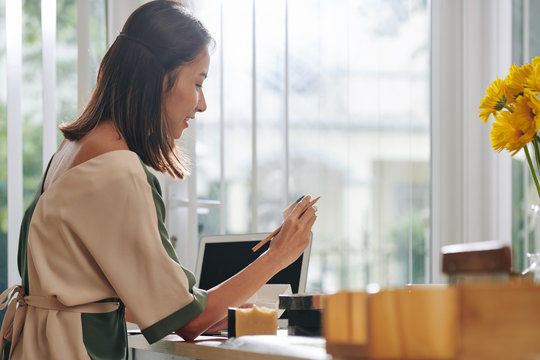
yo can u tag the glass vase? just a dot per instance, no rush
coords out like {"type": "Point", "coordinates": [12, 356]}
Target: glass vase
{"type": "Point", "coordinates": [533, 268]}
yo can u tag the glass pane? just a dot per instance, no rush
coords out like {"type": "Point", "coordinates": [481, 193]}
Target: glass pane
{"type": "Point", "coordinates": [519, 241]}
{"type": "Point", "coordinates": [270, 116]}
{"type": "Point", "coordinates": [523, 190]}
{"type": "Point", "coordinates": [208, 140]}
{"type": "Point", "coordinates": [517, 31]}
{"type": "Point", "coordinates": [349, 99]}
{"type": "Point", "coordinates": [3, 152]}
{"type": "Point", "coordinates": [208, 221]}
{"type": "Point", "coordinates": [318, 138]}
{"type": "Point", "coordinates": [31, 102]}
{"type": "Point", "coordinates": [360, 129]}
{"type": "Point", "coordinates": [237, 104]}
{"type": "Point", "coordinates": [66, 62]}
{"type": "Point", "coordinates": [98, 35]}
{"type": "Point", "coordinates": [534, 39]}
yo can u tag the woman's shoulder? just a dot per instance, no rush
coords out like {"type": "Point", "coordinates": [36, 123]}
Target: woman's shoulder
{"type": "Point", "coordinates": [115, 160]}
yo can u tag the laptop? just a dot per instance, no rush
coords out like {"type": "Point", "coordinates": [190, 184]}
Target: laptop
{"type": "Point", "coordinates": [222, 256]}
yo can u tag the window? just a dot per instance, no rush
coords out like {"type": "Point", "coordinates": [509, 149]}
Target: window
{"type": "Point", "coordinates": [323, 97]}
{"type": "Point", "coordinates": [365, 103]}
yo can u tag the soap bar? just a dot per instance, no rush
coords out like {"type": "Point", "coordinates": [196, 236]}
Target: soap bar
{"type": "Point", "coordinates": [253, 321]}
{"type": "Point", "coordinates": [301, 302]}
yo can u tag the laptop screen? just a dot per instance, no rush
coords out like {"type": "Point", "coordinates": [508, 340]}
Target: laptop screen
{"type": "Point", "coordinates": [222, 256]}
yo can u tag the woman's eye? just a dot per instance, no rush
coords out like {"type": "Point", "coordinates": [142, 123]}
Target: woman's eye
{"type": "Point", "coordinates": [198, 85]}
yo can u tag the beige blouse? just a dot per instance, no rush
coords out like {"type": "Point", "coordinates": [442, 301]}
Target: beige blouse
{"type": "Point", "coordinates": [97, 234]}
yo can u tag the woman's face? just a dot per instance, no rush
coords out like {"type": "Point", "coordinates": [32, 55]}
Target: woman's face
{"type": "Point", "coordinates": [186, 96]}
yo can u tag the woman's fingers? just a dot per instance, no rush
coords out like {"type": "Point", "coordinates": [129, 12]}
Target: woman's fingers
{"type": "Point", "coordinates": [306, 203]}
{"type": "Point", "coordinates": [302, 217]}
{"type": "Point", "coordinates": [312, 221]}
{"type": "Point", "coordinates": [310, 210]}
{"type": "Point", "coordinates": [300, 207]}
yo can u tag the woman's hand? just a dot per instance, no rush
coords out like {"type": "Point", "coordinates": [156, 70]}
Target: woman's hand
{"type": "Point", "coordinates": [285, 248]}
{"type": "Point", "coordinates": [292, 240]}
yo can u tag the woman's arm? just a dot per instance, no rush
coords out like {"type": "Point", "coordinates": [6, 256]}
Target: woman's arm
{"type": "Point", "coordinates": [284, 249]}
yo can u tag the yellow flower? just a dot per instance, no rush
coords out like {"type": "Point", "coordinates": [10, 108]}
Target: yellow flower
{"type": "Point", "coordinates": [526, 113]}
{"type": "Point", "coordinates": [494, 100]}
{"type": "Point", "coordinates": [516, 108]}
{"type": "Point", "coordinates": [506, 134]}
{"type": "Point", "coordinates": [533, 79]}
{"type": "Point", "coordinates": [516, 81]}
{"type": "Point", "coordinates": [513, 130]}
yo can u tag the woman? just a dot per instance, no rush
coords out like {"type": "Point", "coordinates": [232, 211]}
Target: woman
{"type": "Point", "coordinates": [93, 242]}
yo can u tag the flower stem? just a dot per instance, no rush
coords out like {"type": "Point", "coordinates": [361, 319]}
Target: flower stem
{"type": "Point", "coordinates": [531, 166]}
{"type": "Point", "coordinates": [536, 152]}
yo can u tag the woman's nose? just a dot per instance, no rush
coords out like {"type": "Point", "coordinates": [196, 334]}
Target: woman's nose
{"type": "Point", "coordinates": [201, 106]}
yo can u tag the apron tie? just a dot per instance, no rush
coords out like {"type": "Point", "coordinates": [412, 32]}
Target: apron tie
{"type": "Point", "coordinates": [13, 298]}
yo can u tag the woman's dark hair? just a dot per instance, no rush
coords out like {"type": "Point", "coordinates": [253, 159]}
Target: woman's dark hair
{"type": "Point", "coordinates": [157, 38]}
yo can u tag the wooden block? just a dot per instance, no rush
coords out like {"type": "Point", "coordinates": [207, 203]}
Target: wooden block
{"type": "Point", "coordinates": [358, 315]}
{"type": "Point", "coordinates": [301, 301]}
{"type": "Point", "coordinates": [383, 327]}
{"type": "Point", "coordinates": [428, 317]}
{"type": "Point", "coordinates": [345, 324]}
{"type": "Point", "coordinates": [499, 321]}
{"type": "Point", "coordinates": [336, 318]}
{"type": "Point", "coordinates": [478, 257]}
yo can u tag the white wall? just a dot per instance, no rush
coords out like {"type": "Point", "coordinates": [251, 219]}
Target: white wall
{"type": "Point", "coordinates": [471, 183]}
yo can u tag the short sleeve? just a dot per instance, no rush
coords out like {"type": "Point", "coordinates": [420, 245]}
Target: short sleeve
{"type": "Point", "coordinates": [120, 230]}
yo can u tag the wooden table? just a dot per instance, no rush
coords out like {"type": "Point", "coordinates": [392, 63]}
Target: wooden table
{"type": "Point", "coordinates": [262, 347]}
